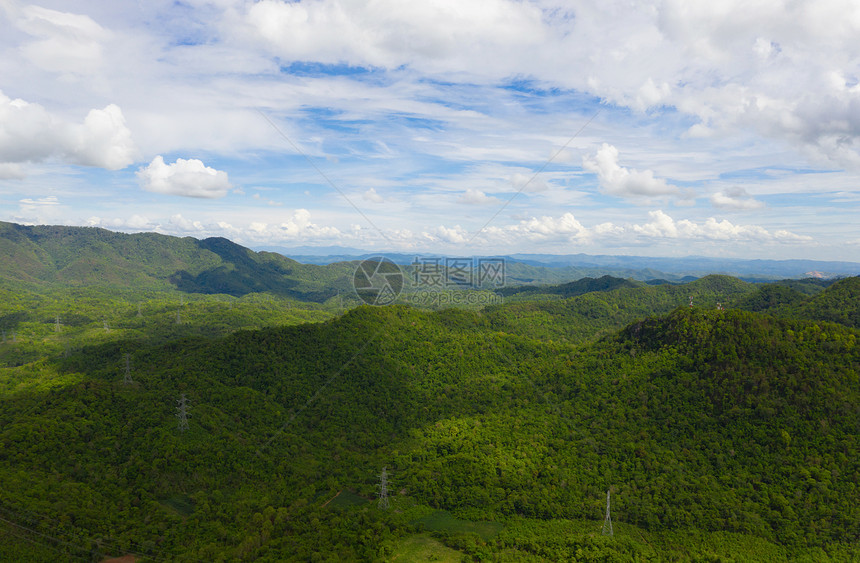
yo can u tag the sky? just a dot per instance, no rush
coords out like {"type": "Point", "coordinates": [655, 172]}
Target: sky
{"type": "Point", "coordinates": [668, 128]}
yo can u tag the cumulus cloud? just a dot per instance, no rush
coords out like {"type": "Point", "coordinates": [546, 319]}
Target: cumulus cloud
{"type": "Point", "coordinates": [189, 178]}
{"type": "Point", "coordinates": [735, 198]}
{"type": "Point", "coordinates": [662, 225]}
{"type": "Point", "coordinates": [476, 197]}
{"type": "Point", "coordinates": [29, 133]}
{"type": "Point", "coordinates": [784, 69]}
{"type": "Point", "coordinates": [300, 225]}
{"type": "Point", "coordinates": [133, 223]}
{"type": "Point", "coordinates": [624, 182]}
{"type": "Point", "coordinates": [546, 227]}
{"type": "Point", "coordinates": [372, 196]}
{"type": "Point", "coordinates": [445, 34]}
{"type": "Point", "coordinates": [453, 235]}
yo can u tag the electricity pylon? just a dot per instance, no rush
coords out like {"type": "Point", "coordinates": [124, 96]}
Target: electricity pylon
{"type": "Point", "coordinates": [182, 413]}
{"type": "Point", "coordinates": [57, 326]}
{"type": "Point", "coordinates": [607, 522]}
{"type": "Point", "coordinates": [383, 489]}
{"type": "Point", "coordinates": [127, 377]}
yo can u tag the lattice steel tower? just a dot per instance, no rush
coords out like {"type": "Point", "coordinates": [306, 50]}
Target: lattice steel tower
{"type": "Point", "coordinates": [182, 413]}
{"type": "Point", "coordinates": [383, 489]}
{"type": "Point", "coordinates": [607, 522]}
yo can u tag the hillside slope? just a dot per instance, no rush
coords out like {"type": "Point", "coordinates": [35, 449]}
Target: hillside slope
{"type": "Point", "coordinates": [51, 256]}
{"type": "Point", "coordinates": [700, 420]}
{"type": "Point", "coordinates": [611, 304]}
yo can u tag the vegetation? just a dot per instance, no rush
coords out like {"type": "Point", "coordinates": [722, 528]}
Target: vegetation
{"type": "Point", "coordinates": [722, 434]}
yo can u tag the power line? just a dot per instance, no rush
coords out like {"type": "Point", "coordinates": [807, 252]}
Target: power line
{"type": "Point", "coordinates": [535, 175]}
{"type": "Point", "coordinates": [321, 173]}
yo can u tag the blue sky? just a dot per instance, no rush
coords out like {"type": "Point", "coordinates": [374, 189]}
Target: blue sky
{"type": "Point", "coordinates": [461, 126]}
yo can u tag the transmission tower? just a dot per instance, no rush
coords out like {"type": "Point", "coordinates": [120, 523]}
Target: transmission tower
{"type": "Point", "coordinates": [691, 302]}
{"type": "Point", "coordinates": [105, 323]}
{"type": "Point", "coordinates": [182, 413]}
{"type": "Point", "coordinates": [607, 522]}
{"type": "Point", "coordinates": [127, 377]}
{"type": "Point", "coordinates": [139, 314]}
{"type": "Point", "coordinates": [57, 325]}
{"type": "Point", "coordinates": [383, 489]}
{"type": "Point", "coordinates": [178, 318]}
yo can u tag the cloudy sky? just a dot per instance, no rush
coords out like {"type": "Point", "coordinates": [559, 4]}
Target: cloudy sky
{"type": "Point", "coordinates": [668, 128]}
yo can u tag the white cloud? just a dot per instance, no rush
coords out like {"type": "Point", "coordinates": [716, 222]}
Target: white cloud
{"type": "Point", "coordinates": [28, 133]}
{"type": "Point", "coordinates": [372, 196]}
{"type": "Point", "coordinates": [135, 223]}
{"type": "Point", "coordinates": [623, 182]}
{"type": "Point", "coordinates": [476, 197]}
{"type": "Point", "coordinates": [735, 198]}
{"type": "Point", "coordinates": [445, 34]}
{"type": "Point", "coordinates": [66, 43]}
{"type": "Point", "coordinates": [532, 183]}
{"type": "Point", "coordinates": [663, 226]}
{"type": "Point", "coordinates": [179, 224]}
{"type": "Point", "coordinates": [11, 171]}
{"type": "Point", "coordinates": [189, 178]}
{"type": "Point", "coordinates": [50, 200]}
{"type": "Point", "coordinates": [300, 225]}
{"type": "Point", "coordinates": [546, 227]}
{"type": "Point", "coordinates": [454, 235]}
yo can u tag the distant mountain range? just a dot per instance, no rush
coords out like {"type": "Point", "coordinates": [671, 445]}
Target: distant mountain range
{"type": "Point", "coordinates": [61, 256]}
{"type": "Point", "coordinates": [637, 267]}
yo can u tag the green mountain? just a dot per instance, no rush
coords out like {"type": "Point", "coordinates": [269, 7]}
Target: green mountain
{"type": "Point", "coordinates": [183, 400]}
{"type": "Point", "coordinates": [570, 289]}
{"type": "Point", "coordinates": [612, 304]}
{"type": "Point", "coordinates": [838, 301]}
{"type": "Point", "coordinates": [718, 432]}
{"type": "Point", "coordinates": [43, 257]}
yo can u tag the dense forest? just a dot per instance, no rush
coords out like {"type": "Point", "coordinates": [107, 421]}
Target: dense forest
{"type": "Point", "coordinates": [173, 422]}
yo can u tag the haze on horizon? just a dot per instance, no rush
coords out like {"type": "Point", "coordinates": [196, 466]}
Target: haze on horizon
{"type": "Point", "coordinates": [666, 128]}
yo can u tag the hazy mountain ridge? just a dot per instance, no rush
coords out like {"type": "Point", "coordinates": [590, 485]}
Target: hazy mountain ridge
{"type": "Point", "coordinates": [637, 267]}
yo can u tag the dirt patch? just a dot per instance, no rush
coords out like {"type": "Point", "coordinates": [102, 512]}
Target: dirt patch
{"type": "Point", "coordinates": [123, 559]}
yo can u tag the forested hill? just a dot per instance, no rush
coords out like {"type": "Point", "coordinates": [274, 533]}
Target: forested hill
{"type": "Point", "coordinates": [839, 302]}
{"type": "Point", "coordinates": [570, 289]}
{"type": "Point", "coordinates": [610, 304]}
{"type": "Point", "coordinates": [702, 422]}
{"type": "Point", "coordinates": [55, 256]}
{"type": "Point", "coordinates": [586, 309]}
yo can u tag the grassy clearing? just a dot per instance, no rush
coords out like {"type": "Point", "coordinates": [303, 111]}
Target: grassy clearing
{"type": "Point", "coordinates": [444, 521]}
{"type": "Point", "coordinates": [422, 547]}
